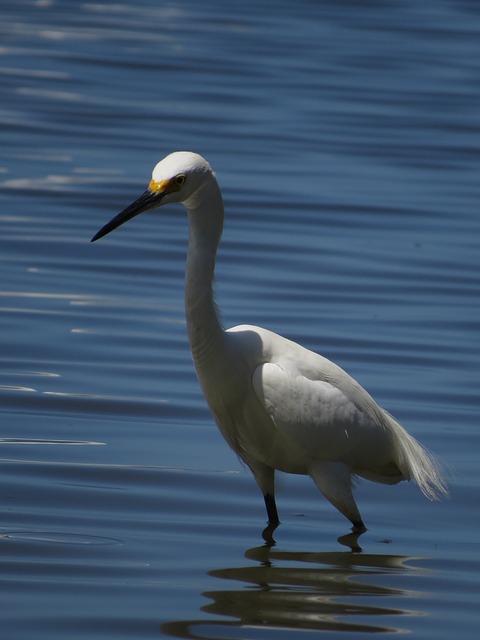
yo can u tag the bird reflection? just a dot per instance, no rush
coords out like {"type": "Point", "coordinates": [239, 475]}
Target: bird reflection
{"type": "Point", "coordinates": [348, 540]}
{"type": "Point", "coordinates": [267, 535]}
{"type": "Point", "coordinates": [294, 591]}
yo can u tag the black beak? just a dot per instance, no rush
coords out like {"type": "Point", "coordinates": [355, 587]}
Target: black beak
{"type": "Point", "coordinates": [147, 200]}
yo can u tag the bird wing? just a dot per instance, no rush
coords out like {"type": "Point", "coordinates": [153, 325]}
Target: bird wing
{"type": "Point", "coordinates": [323, 414]}
{"type": "Point", "coordinates": [331, 418]}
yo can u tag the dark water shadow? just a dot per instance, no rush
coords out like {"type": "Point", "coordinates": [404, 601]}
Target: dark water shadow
{"type": "Point", "coordinates": [291, 591]}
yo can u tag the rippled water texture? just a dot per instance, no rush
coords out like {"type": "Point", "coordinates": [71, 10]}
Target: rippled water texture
{"type": "Point", "coordinates": [346, 139]}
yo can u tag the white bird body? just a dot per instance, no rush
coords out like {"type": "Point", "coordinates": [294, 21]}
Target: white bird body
{"type": "Point", "coordinates": [278, 405]}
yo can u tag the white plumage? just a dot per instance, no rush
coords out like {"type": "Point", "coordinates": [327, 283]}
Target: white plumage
{"type": "Point", "coordinates": [277, 404]}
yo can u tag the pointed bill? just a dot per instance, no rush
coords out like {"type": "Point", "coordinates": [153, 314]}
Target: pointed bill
{"type": "Point", "coordinates": [147, 200]}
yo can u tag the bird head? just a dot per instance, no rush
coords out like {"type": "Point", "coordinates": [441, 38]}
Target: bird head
{"type": "Point", "coordinates": [180, 177]}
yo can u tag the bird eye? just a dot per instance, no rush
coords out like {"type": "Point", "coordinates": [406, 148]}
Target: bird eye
{"type": "Point", "coordinates": [180, 179]}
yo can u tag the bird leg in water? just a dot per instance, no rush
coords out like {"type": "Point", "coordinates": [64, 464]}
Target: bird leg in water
{"type": "Point", "coordinates": [334, 480]}
{"type": "Point", "coordinates": [271, 510]}
{"type": "Point", "coordinates": [358, 527]}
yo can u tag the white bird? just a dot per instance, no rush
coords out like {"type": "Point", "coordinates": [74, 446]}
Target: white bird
{"type": "Point", "coordinates": [277, 404]}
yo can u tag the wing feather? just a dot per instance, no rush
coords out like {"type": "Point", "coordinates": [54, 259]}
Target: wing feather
{"type": "Point", "coordinates": [316, 415]}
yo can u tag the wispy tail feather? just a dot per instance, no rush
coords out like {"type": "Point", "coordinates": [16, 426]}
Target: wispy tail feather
{"type": "Point", "coordinates": [417, 463]}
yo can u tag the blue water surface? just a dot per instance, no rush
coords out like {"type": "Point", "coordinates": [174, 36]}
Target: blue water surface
{"type": "Point", "coordinates": [346, 139]}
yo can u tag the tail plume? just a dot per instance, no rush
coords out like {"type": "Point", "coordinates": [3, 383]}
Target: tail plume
{"type": "Point", "coordinates": [419, 464]}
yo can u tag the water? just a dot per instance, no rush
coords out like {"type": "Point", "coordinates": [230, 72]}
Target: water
{"type": "Point", "coordinates": [345, 137]}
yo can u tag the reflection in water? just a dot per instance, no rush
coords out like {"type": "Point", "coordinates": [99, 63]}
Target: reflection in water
{"type": "Point", "coordinates": [288, 591]}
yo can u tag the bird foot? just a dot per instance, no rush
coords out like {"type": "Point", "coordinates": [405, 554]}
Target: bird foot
{"type": "Point", "coordinates": [358, 526]}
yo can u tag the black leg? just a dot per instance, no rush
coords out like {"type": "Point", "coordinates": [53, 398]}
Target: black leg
{"type": "Point", "coordinates": [273, 520]}
{"type": "Point", "coordinates": [272, 512]}
{"type": "Point", "coordinates": [358, 526]}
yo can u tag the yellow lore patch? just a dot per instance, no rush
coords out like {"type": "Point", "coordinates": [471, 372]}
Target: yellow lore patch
{"type": "Point", "coordinates": [169, 185]}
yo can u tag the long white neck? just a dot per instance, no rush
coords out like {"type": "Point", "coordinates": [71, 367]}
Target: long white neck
{"type": "Point", "coordinates": [205, 217]}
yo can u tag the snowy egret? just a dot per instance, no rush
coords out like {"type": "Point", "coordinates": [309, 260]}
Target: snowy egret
{"type": "Point", "coordinates": [277, 404]}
